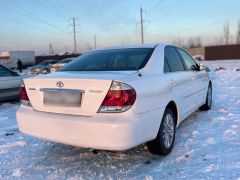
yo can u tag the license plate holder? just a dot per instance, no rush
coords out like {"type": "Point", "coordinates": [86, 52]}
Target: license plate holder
{"type": "Point", "coordinates": [62, 97]}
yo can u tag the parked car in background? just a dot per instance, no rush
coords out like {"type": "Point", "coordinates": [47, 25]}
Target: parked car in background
{"type": "Point", "coordinates": [60, 64]}
{"type": "Point", "coordinates": [10, 83]}
{"type": "Point", "coordinates": [43, 67]}
{"type": "Point", "coordinates": [116, 98]}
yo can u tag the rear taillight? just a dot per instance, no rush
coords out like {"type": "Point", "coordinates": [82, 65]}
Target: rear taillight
{"type": "Point", "coordinates": [119, 98]}
{"type": "Point", "coordinates": [23, 96]}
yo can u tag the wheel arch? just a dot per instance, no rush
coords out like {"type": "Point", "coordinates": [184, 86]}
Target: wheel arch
{"type": "Point", "coordinates": [173, 106]}
{"type": "Point", "coordinates": [210, 83]}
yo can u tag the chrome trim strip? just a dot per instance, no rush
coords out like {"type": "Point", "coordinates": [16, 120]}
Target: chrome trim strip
{"type": "Point", "coordinates": [60, 90]}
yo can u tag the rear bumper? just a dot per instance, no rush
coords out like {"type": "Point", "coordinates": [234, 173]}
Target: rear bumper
{"type": "Point", "coordinates": [120, 131]}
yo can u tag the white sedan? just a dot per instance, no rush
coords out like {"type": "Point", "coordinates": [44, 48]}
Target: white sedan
{"type": "Point", "coordinates": [10, 83]}
{"type": "Point", "coordinates": [116, 98]}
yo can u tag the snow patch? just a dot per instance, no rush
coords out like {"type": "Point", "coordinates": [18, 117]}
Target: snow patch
{"type": "Point", "coordinates": [194, 133]}
{"type": "Point", "coordinates": [229, 133]}
{"type": "Point", "coordinates": [238, 102]}
{"type": "Point", "coordinates": [234, 126]}
{"type": "Point", "coordinates": [209, 168]}
{"type": "Point", "coordinates": [222, 110]}
{"type": "Point", "coordinates": [184, 156]}
{"type": "Point", "coordinates": [190, 141]}
{"type": "Point", "coordinates": [148, 177]}
{"type": "Point", "coordinates": [12, 145]}
{"type": "Point", "coordinates": [222, 118]}
{"type": "Point", "coordinates": [210, 141]}
{"type": "Point", "coordinates": [230, 115]}
{"type": "Point", "coordinates": [6, 147]}
{"type": "Point", "coordinates": [17, 173]}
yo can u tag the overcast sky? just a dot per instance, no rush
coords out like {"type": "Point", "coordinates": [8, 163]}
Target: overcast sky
{"type": "Point", "coordinates": [33, 24]}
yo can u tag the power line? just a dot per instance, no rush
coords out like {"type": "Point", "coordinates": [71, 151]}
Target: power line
{"type": "Point", "coordinates": [36, 17]}
{"type": "Point", "coordinates": [40, 2]}
{"type": "Point", "coordinates": [53, 7]}
{"type": "Point", "coordinates": [156, 5]}
{"type": "Point", "coordinates": [168, 10]}
{"type": "Point", "coordinates": [65, 9]}
{"type": "Point", "coordinates": [82, 34]}
{"type": "Point", "coordinates": [26, 24]}
{"type": "Point", "coordinates": [177, 5]}
{"type": "Point", "coordinates": [199, 27]}
{"type": "Point", "coordinates": [208, 23]}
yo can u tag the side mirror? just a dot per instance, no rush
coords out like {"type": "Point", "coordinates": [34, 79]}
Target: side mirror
{"type": "Point", "coordinates": [204, 68]}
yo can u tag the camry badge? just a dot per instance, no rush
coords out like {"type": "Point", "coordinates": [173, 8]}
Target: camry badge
{"type": "Point", "coordinates": [60, 84]}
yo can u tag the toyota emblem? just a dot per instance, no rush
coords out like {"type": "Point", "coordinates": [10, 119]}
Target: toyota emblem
{"type": "Point", "coordinates": [60, 84]}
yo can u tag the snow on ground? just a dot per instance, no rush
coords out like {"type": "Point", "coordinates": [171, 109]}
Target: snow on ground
{"type": "Point", "coordinates": [207, 145]}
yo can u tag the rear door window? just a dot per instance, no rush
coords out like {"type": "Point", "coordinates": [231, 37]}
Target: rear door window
{"type": "Point", "coordinates": [191, 64]}
{"type": "Point", "coordinates": [166, 66]}
{"type": "Point", "coordinates": [172, 60]}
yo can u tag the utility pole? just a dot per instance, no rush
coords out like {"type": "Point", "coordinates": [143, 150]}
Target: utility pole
{"type": "Point", "coordinates": [74, 35]}
{"type": "Point", "coordinates": [141, 21]}
{"type": "Point", "coordinates": [51, 49]}
{"type": "Point", "coordinates": [95, 42]}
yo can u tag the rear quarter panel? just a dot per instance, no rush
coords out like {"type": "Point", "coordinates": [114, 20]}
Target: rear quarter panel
{"type": "Point", "coordinates": [153, 92]}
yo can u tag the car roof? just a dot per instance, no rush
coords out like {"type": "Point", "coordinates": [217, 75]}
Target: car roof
{"type": "Point", "coordinates": [133, 46]}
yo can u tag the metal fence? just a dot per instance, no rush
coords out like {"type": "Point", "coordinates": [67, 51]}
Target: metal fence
{"type": "Point", "coordinates": [222, 52]}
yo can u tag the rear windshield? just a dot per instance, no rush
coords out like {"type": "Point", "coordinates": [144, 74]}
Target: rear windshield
{"type": "Point", "coordinates": [111, 60]}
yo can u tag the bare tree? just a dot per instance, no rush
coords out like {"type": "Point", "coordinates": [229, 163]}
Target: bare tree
{"type": "Point", "coordinates": [226, 33]}
{"type": "Point", "coordinates": [238, 33]}
{"type": "Point", "coordinates": [191, 43]}
{"type": "Point", "coordinates": [194, 42]}
{"type": "Point", "coordinates": [178, 42]}
{"type": "Point", "coordinates": [198, 42]}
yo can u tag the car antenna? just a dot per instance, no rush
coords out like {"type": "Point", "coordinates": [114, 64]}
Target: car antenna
{"type": "Point", "coordinates": [139, 74]}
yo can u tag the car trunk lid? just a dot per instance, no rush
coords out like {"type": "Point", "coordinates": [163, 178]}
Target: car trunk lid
{"type": "Point", "coordinates": [75, 93]}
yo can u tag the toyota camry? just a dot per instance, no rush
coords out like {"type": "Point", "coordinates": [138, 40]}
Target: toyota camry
{"type": "Point", "coordinates": [116, 98]}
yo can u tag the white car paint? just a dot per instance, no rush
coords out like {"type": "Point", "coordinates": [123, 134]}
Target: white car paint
{"type": "Point", "coordinates": [9, 84]}
{"type": "Point", "coordinates": [86, 127]}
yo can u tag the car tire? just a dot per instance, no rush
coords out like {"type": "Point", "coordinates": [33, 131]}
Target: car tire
{"type": "Point", "coordinates": [208, 104]}
{"type": "Point", "coordinates": [163, 143]}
